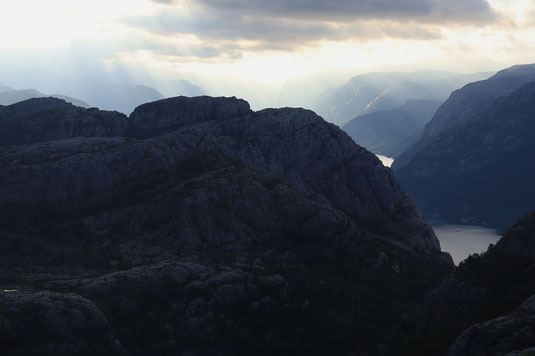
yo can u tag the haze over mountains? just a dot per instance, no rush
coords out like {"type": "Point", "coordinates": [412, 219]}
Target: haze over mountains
{"type": "Point", "coordinates": [106, 96]}
{"type": "Point", "coordinates": [10, 96]}
{"type": "Point", "coordinates": [392, 132]}
{"type": "Point", "coordinates": [372, 92]}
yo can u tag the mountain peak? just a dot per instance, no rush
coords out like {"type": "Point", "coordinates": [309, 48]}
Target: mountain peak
{"type": "Point", "coordinates": [172, 113]}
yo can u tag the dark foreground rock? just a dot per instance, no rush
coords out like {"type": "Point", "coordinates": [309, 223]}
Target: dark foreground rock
{"type": "Point", "coordinates": [486, 308]}
{"type": "Point", "coordinates": [198, 226]}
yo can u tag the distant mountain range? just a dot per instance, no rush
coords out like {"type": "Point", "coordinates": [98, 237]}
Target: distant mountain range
{"type": "Point", "coordinates": [475, 163]}
{"type": "Point", "coordinates": [10, 96]}
{"type": "Point", "coordinates": [373, 92]}
{"type": "Point", "coordinates": [115, 97]}
{"type": "Point", "coordinates": [391, 132]}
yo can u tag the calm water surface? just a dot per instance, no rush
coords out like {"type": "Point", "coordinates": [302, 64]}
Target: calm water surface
{"type": "Point", "coordinates": [459, 240]}
{"type": "Point", "coordinates": [462, 240]}
{"type": "Point", "coordinates": [387, 161]}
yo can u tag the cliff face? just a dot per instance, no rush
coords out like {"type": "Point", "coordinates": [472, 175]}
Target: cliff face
{"type": "Point", "coordinates": [468, 102]}
{"type": "Point", "coordinates": [207, 227]}
{"type": "Point", "coordinates": [480, 171]}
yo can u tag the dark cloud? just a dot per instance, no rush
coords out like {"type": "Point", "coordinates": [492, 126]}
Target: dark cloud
{"type": "Point", "coordinates": [291, 24]}
{"type": "Point", "coordinates": [470, 11]}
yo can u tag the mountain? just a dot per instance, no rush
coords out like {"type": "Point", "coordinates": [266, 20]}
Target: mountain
{"type": "Point", "coordinates": [373, 92]}
{"type": "Point", "coordinates": [305, 91]}
{"type": "Point", "coordinates": [391, 132]}
{"type": "Point", "coordinates": [120, 97]}
{"type": "Point", "coordinates": [467, 102]}
{"type": "Point", "coordinates": [199, 226]}
{"type": "Point", "coordinates": [10, 96]}
{"type": "Point", "coordinates": [50, 119]}
{"type": "Point", "coordinates": [179, 87]}
{"type": "Point", "coordinates": [487, 307]}
{"type": "Point", "coordinates": [481, 170]}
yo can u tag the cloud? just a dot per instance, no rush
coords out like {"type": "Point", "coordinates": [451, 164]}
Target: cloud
{"type": "Point", "coordinates": [429, 11]}
{"type": "Point", "coordinates": [292, 24]}
{"type": "Point", "coordinates": [348, 10]}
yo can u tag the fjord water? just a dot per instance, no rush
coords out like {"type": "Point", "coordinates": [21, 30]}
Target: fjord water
{"type": "Point", "coordinates": [459, 240]}
{"type": "Point", "coordinates": [462, 240]}
{"type": "Point", "coordinates": [387, 161]}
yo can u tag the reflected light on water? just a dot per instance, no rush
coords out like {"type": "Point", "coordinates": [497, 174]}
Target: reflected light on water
{"type": "Point", "coordinates": [462, 240]}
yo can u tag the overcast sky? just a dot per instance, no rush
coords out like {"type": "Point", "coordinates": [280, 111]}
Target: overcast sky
{"type": "Point", "coordinates": [254, 46]}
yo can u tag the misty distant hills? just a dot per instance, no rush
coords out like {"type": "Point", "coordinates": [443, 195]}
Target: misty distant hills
{"type": "Point", "coordinates": [120, 97]}
{"type": "Point", "coordinates": [178, 87]}
{"type": "Point", "coordinates": [465, 103]}
{"type": "Point", "coordinates": [10, 96]}
{"type": "Point", "coordinates": [305, 92]}
{"type": "Point", "coordinates": [481, 169]}
{"type": "Point", "coordinates": [391, 132]}
{"type": "Point", "coordinates": [373, 92]}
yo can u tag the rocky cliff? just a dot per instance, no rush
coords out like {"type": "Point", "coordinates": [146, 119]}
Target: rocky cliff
{"type": "Point", "coordinates": [197, 225]}
{"type": "Point", "coordinates": [468, 102]}
{"type": "Point", "coordinates": [480, 171]}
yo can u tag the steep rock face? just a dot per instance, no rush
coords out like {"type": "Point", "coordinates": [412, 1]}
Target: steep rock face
{"type": "Point", "coordinates": [49, 119]}
{"type": "Point", "coordinates": [486, 308]}
{"type": "Point", "coordinates": [514, 331]}
{"type": "Point", "coordinates": [210, 228]}
{"type": "Point", "coordinates": [391, 132]}
{"type": "Point", "coordinates": [480, 171]}
{"type": "Point", "coordinates": [468, 102]}
{"type": "Point", "coordinates": [475, 97]}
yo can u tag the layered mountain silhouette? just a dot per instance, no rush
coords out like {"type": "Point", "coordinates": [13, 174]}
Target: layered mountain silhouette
{"type": "Point", "coordinates": [465, 103]}
{"type": "Point", "coordinates": [197, 225]}
{"type": "Point", "coordinates": [373, 92]}
{"type": "Point", "coordinates": [119, 97]}
{"type": "Point", "coordinates": [480, 169]}
{"type": "Point", "coordinates": [391, 132]}
{"type": "Point", "coordinates": [10, 96]}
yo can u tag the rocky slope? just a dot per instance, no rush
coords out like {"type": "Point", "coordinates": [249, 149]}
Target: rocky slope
{"type": "Point", "coordinates": [50, 119]}
{"type": "Point", "coordinates": [468, 102]}
{"type": "Point", "coordinates": [368, 93]}
{"type": "Point", "coordinates": [391, 132]}
{"type": "Point", "coordinates": [486, 308]}
{"type": "Point", "coordinates": [480, 171]}
{"type": "Point", "coordinates": [197, 225]}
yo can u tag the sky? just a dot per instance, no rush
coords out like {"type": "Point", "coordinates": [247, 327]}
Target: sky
{"type": "Point", "coordinates": [253, 48]}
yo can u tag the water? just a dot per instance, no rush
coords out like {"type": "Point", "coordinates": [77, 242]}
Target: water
{"type": "Point", "coordinates": [387, 161]}
{"type": "Point", "coordinates": [463, 240]}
